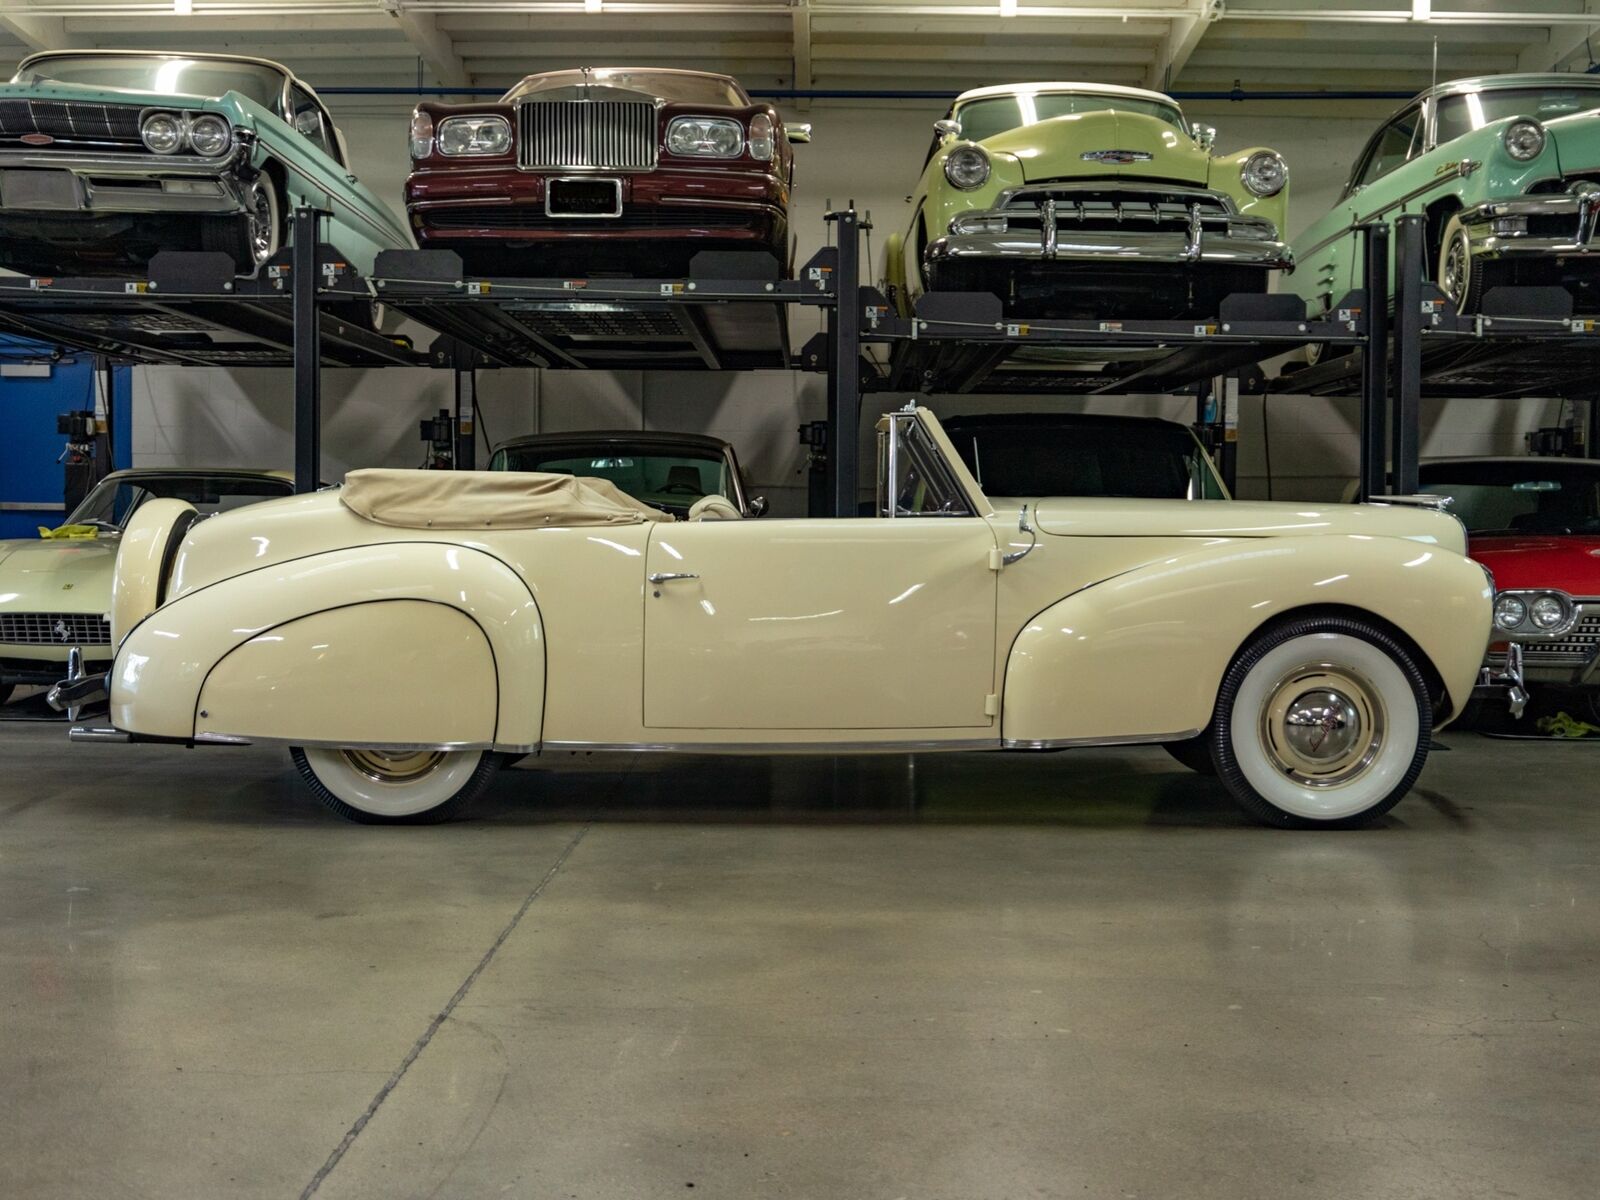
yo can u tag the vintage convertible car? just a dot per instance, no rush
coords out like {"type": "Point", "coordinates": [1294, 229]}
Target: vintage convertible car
{"type": "Point", "coordinates": [1087, 200]}
{"type": "Point", "coordinates": [108, 156]}
{"type": "Point", "coordinates": [1535, 524]}
{"type": "Point", "coordinates": [1084, 454]}
{"type": "Point", "coordinates": [670, 471]}
{"type": "Point", "coordinates": [55, 592]}
{"type": "Point", "coordinates": [1506, 170]}
{"type": "Point", "coordinates": [609, 170]}
{"type": "Point", "coordinates": [404, 634]}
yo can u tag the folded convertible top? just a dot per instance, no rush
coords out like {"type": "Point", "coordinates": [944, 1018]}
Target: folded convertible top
{"type": "Point", "coordinates": [489, 500]}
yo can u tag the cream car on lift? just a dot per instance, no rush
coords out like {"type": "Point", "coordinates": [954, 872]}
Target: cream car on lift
{"type": "Point", "coordinates": [406, 634]}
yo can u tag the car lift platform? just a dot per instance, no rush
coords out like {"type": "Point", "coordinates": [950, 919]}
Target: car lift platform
{"type": "Point", "coordinates": [190, 310]}
{"type": "Point", "coordinates": [731, 313]}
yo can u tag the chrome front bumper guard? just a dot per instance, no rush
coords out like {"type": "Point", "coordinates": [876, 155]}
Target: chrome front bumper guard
{"type": "Point", "coordinates": [1206, 234]}
{"type": "Point", "coordinates": [1507, 676]}
{"type": "Point", "coordinates": [198, 186]}
{"type": "Point", "coordinates": [1582, 209]}
{"type": "Point", "coordinates": [79, 688]}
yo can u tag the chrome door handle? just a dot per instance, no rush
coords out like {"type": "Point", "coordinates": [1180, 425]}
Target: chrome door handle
{"type": "Point", "coordinates": [669, 576]}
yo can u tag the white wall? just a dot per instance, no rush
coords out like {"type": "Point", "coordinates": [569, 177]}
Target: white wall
{"type": "Point", "coordinates": [867, 153]}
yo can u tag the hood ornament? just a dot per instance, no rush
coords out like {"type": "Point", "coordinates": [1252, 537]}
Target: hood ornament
{"type": "Point", "coordinates": [1120, 157]}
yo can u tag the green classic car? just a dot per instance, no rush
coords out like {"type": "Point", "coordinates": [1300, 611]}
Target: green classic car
{"type": "Point", "coordinates": [1506, 169]}
{"type": "Point", "coordinates": [109, 156]}
{"type": "Point", "coordinates": [1085, 200]}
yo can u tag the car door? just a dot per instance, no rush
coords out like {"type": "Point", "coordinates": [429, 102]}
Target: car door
{"type": "Point", "coordinates": [845, 623]}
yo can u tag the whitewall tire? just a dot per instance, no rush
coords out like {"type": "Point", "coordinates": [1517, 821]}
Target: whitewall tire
{"type": "Point", "coordinates": [395, 787]}
{"type": "Point", "coordinates": [1321, 722]}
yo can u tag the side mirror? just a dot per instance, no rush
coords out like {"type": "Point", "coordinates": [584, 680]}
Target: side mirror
{"type": "Point", "coordinates": [1205, 136]}
{"type": "Point", "coordinates": [947, 128]}
{"type": "Point", "coordinates": [798, 135]}
{"type": "Point", "coordinates": [758, 506]}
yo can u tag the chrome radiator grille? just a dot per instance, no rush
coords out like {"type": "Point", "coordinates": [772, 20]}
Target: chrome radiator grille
{"type": "Point", "coordinates": [1578, 645]}
{"type": "Point", "coordinates": [54, 629]}
{"type": "Point", "coordinates": [609, 135]}
{"type": "Point", "coordinates": [71, 122]}
{"type": "Point", "coordinates": [1115, 209]}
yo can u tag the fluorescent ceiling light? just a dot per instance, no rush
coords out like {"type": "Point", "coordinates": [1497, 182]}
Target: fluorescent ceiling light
{"type": "Point", "coordinates": [1008, 8]}
{"type": "Point", "coordinates": [591, 6]}
{"type": "Point", "coordinates": [1421, 10]}
{"type": "Point", "coordinates": [184, 8]}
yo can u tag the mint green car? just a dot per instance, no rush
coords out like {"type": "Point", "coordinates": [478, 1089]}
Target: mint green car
{"type": "Point", "coordinates": [109, 156]}
{"type": "Point", "coordinates": [1086, 200]}
{"type": "Point", "coordinates": [1506, 169]}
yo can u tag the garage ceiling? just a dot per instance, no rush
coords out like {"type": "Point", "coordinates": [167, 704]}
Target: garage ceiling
{"type": "Point", "coordinates": [855, 45]}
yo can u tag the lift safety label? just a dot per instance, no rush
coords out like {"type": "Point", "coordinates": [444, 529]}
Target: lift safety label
{"type": "Point", "coordinates": [477, 287]}
{"type": "Point", "coordinates": [1016, 331]}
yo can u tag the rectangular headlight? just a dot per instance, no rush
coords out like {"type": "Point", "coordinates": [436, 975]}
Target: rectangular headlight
{"type": "Point", "coordinates": [462, 136]}
{"type": "Point", "coordinates": [706, 137]}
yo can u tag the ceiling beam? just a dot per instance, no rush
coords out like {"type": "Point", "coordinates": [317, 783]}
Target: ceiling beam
{"type": "Point", "coordinates": [800, 14]}
{"type": "Point", "coordinates": [1562, 44]}
{"type": "Point", "coordinates": [37, 33]}
{"type": "Point", "coordinates": [1183, 35]}
{"type": "Point", "coordinates": [433, 45]}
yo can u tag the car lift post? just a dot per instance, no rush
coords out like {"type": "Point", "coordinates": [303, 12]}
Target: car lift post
{"type": "Point", "coordinates": [844, 366]}
{"type": "Point", "coordinates": [307, 353]}
{"type": "Point", "coordinates": [1405, 435]}
{"type": "Point", "coordinates": [1374, 362]}
{"type": "Point", "coordinates": [466, 456]}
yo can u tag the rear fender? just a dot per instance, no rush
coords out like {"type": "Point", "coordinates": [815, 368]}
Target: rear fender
{"type": "Point", "coordinates": [1140, 656]}
{"type": "Point", "coordinates": [409, 643]}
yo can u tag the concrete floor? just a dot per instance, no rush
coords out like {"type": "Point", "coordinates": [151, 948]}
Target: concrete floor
{"type": "Point", "coordinates": [974, 977]}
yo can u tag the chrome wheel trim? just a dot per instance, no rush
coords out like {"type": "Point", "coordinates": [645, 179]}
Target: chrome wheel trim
{"type": "Point", "coordinates": [1455, 272]}
{"type": "Point", "coordinates": [1323, 725]}
{"type": "Point", "coordinates": [262, 219]}
{"type": "Point", "coordinates": [396, 769]}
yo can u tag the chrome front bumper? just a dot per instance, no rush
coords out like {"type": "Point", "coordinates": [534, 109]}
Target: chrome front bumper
{"type": "Point", "coordinates": [39, 183]}
{"type": "Point", "coordinates": [1522, 226]}
{"type": "Point", "coordinates": [1045, 223]}
{"type": "Point", "coordinates": [1507, 676]}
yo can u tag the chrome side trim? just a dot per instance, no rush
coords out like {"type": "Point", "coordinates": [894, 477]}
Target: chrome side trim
{"type": "Point", "coordinates": [85, 733]}
{"type": "Point", "coordinates": [886, 747]}
{"type": "Point", "coordinates": [233, 739]}
{"type": "Point", "coordinates": [1129, 739]}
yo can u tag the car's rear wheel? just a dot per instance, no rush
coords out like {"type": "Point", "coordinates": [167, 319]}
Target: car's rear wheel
{"type": "Point", "coordinates": [1321, 722]}
{"type": "Point", "coordinates": [256, 235]}
{"type": "Point", "coordinates": [402, 787]}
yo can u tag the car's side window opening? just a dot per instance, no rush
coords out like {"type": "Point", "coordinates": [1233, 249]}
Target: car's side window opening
{"type": "Point", "coordinates": [312, 122]}
{"type": "Point", "coordinates": [1392, 147]}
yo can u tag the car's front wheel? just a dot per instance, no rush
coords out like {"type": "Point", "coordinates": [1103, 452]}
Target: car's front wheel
{"type": "Point", "coordinates": [1321, 722]}
{"type": "Point", "coordinates": [255, 236]}
{"type": "Point", "coordinates": [402, 787]}
{"type": "Point", "coordinates": [1459, 276]}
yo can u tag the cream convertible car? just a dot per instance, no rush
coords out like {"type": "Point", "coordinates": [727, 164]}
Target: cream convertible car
{"type": "Point", "coordinates": [406, 634]}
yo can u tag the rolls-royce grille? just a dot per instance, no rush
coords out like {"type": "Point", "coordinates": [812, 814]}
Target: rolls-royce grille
{"type": "Point", "coordinates": [54, 629]}
{"type": "Point", "coordinates": [609, 135]}
{"type": "Point", "coordinates": [1578, 645]}
{"type": "Point", "coordinates": [73, 122]}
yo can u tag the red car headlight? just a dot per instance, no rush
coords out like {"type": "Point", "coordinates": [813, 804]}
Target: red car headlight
{"type": "Point", "coordinates": [467, 136]}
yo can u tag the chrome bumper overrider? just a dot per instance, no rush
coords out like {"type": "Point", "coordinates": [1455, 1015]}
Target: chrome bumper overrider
{"type": "Point", "coordinates": [40, 183]}
{"type": "Point", "coordinates": [1048, 223]}
{"type": "Point", "coordinates": [78, 688]}
{"type": "Point", "coordinates": [1500, 228]}
{"type": "Point", "coordinates": [1507, 675]}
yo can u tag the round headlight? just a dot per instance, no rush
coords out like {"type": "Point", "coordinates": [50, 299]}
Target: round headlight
{"type": "Point", "coordinates": [162, 133]}
{"type": "Point", "coordinates": [1509, 612]}
{"type": "Point", "coordinates": [760, 140]}
{"type": "Point", "coordinates": [707, 137]}
{"type": "Point", "coordinates": [1548, 612]}
{"type": "Point", "coordinates": [474, 135]}
{"type": "Point", "coordinates": [1264, 173]}
{"type": "Point", "coordinates": [967, 167]}
{"type": "Point", "coordinates": [210, 135]}
{"type": "Point", "coordinates": [1524, 139]}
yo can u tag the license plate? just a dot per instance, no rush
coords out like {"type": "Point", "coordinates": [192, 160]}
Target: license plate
{"type": "Point", "coordinates": [55, 191]}
{"type": "Point", "coordinates": [583, 198]}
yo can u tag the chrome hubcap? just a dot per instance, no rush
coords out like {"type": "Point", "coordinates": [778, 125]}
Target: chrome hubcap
{"type": "Point", "coordinates": [1453, 279]}
{"type": "Point", "coordinates": [401, 767]}
{"type": "Point", "coordinates": [260, 223]}
{"type": "Point", "coordinates": [1323, 725]}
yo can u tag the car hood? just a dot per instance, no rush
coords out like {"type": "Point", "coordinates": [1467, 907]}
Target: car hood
{"type": "Point", "coordinates": [1570, 562]}
{"type": "Point", "coordinates": [43, 90]}
{"type": "Point", "coordinates": [1054, 149]}
{"type": "Point", "coordinates": [1577, 140]}
{"type": "Point", "coordinates": [57, 576]}
{"type": "Point", "coordinates": [1091, 517]}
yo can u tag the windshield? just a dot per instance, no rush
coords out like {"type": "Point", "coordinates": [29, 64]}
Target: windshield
{"type": "Point", "coordinates": [113, 500]}
{"type": "Point", "coordinates": [1156, 461]}
{"type": "Point", "coordinates": [1461, 114]}
{"type": "Point", "coordinates": [984, 118]}
{"type": "Point", "coordinates": [670, 479]}
{"type": "Point", "coordinates": [1540, 495]}
{"type": "Point", "coordinates": [687, 88]}
{"type": "Point", "coordinates": [166, 74]}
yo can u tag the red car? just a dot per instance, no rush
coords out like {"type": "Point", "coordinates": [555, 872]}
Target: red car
{"type": "Point", "coordinates": [1535, 523]}
{"type": "Point", "coordinates": [602, 170]}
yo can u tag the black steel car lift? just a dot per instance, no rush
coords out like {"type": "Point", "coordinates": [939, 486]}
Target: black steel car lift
{"type": "Point", "coordinates": [732, 314]}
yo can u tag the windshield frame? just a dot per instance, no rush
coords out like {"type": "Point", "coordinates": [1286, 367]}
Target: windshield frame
{"type": "Point", "coordinates": [531, 87]}
{"type": "Point", "coordinates": [1115, 101]}
{"type": "Point", "coordinates": [112, 482]}
{"type": "Point", "coordinates": [1435, 100]}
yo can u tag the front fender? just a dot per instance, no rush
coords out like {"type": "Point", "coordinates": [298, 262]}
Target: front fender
{"type": "Point", "coordinates": [1226, 177]}
{"type": "Point", "coordinates": [398, 643]}
{"type": "Point", "coordinates": [1140, 656]}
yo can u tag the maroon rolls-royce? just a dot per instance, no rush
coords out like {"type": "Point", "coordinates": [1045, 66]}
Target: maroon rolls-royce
{"type": "Point", "coordinates": [602, 170]}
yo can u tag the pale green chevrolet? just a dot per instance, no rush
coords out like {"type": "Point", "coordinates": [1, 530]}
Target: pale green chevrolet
{"type": "Point", "coordinates": [1506, 169]}
{"type": "Point", "coordinates": [1091, 200]}
{"type": "Point", "coordinates": [108, 157]}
